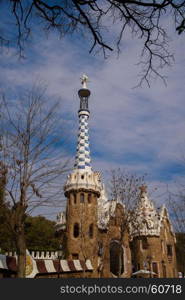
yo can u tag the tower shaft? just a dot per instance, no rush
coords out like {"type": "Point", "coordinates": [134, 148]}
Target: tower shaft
{"type": "Point", "coordinates": [82, 159]}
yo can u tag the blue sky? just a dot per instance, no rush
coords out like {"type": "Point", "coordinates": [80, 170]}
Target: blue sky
{"type": "Point", "coordinates": [140, 130]}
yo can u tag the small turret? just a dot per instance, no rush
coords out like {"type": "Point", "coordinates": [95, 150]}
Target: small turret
{"type": "Point", "coordinates": [146, 221]}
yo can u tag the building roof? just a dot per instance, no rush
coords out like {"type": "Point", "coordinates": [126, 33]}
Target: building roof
{"type": "Point", "coordinates": [146, 220]}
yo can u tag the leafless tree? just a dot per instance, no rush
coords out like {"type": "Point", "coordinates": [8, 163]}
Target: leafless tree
{"type": "Point", "coordinates": [92, 18]}
{"type": "Point", "coordinates": [125, 188]}
{"type": "Point", "coordinates": [30, 131]}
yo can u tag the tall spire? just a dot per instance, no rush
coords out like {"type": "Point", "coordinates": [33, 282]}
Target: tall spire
{"type": "Point", "coordinates": [82, 159]}
{"type": "Point", "coordinates": [82, 176]}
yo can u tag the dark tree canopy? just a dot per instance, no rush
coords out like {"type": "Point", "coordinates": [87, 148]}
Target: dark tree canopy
{"type": "Point", "coordinates": [180, 252]}
{"type": "Point", "coordinates": [39, 231]}
{"type": "Point", "coordinates": [40, 234]}
{"type": "Point", "coordinates": [6, 237]}
{"type": "Point", "coordinates": [92, 18]}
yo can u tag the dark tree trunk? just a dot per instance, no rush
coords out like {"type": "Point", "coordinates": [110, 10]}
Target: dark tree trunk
{"type": "Point", "coordinates": [21, 252]}
{"type": "Point", "coordinates": [18, 221]}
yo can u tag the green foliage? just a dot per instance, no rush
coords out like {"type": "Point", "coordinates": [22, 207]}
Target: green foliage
{"type": "Point", "coordinates": [6, 238]}
{"type": "Point", "coordinates": [40, 234]}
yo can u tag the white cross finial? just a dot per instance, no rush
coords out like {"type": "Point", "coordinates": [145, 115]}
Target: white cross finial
{"type": "Point", "coordinates": [84, 81]}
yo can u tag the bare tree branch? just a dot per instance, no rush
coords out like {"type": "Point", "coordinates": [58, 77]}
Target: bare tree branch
{"type": "Point", "coordinates": [29, 132]}
{"type": "Point", "coordinates": [143, 18]}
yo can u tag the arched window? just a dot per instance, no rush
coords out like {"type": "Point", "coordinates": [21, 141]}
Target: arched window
{"type": "Point", "coordinates": [100, 249]}
{"type": "Point", "coordinates": [76, 230]}
{"type": "Point", "coordinates": [89, 198]}
{"type": "Point", "coordinates": [116, 258]}
{"type": "Point", "coordinates": [144, 243]}
{"type": "Point", "coordinates": [81, 198]}
{"type": "Point", "coordinates": [91, 231]}
{"type": "Point", "coordinates": [74, 197]}
{"type": "Point", "coordinates": [169, 250]}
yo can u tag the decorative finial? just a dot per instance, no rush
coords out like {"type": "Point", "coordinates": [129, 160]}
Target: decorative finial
{"type": "Point", "coordinates": [84, 81]}
{"type": "Point", "coordinates": [143, 188]}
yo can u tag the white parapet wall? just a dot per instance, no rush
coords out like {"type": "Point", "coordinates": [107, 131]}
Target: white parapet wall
{"type": "Point", "coordinates": [38, 254]}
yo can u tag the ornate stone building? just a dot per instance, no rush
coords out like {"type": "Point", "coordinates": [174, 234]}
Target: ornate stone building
{"type": "Point", "coordinates": [153, 240]}
{"type": "Point", "coordinates": [93, 228]}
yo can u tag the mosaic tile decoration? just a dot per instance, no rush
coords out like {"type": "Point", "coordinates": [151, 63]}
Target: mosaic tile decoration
{"type": "Point", "coordinates": [82, 159]}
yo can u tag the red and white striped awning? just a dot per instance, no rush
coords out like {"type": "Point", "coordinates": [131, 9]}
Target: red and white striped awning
{"type": "Point", "coordinates": [8, 263]}
{"type": "Point", "coordinates": [46, 265]}
{"type": "Point", "coordinates": [52, 266]}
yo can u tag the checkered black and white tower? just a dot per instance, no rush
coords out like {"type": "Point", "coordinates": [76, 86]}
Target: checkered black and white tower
{"type": "Point", "coordinates": [83, 189]}
{"type": "Point", "coordinates": [82, 176]}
